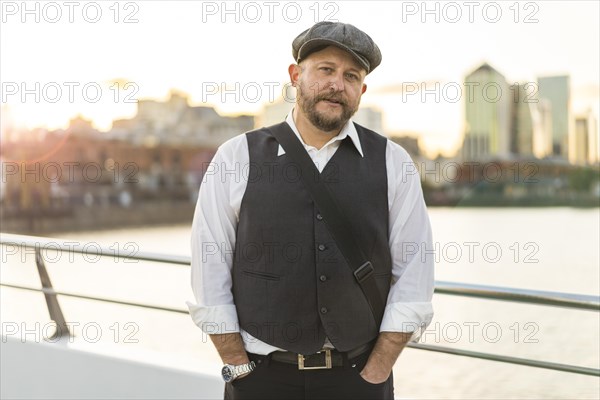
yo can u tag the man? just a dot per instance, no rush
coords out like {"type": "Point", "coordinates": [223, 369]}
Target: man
{"type": "Point", "coordinates": [276, 294]}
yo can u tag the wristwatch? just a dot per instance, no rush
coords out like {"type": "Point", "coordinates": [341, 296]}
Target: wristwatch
{"type": "Point", "coordinates": [230, 372]}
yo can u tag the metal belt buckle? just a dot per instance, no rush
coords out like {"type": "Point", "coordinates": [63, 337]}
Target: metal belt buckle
{"type": "Point", "coordinates": [327, 364]}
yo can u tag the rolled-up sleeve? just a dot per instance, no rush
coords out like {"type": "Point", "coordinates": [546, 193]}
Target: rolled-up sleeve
{"type": "Point", "coordinates": [213, 241]}
{"type": "Point", "coordinates": [409, 307]}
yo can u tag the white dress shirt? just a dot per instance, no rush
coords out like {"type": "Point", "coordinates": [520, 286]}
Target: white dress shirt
{"type": "Point", "coordinates": [216, 217]}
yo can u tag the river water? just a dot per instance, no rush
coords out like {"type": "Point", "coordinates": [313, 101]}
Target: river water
{"type": "Point", "coordinates": [554, 249]}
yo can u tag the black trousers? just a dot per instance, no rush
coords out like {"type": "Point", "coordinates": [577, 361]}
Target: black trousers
{"type": "Point", "coordinates": [282, 381]}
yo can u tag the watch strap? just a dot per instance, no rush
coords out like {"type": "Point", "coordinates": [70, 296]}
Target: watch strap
{"type": "Point", "coordinates": [243, 368]}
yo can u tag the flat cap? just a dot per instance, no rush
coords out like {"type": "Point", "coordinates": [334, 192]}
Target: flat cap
{"type": "Point", "coordinates": [345, 36]}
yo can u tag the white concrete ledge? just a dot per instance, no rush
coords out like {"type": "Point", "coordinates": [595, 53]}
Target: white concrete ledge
{"type": "Point", "coordinates": [62, 371]}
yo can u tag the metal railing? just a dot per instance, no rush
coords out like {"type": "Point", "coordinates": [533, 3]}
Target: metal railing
{"type": "Point", "coordinates": [553, 299]}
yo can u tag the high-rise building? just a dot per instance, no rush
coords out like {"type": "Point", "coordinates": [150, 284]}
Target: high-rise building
{"type": "Point", "coordinates": [542, 128]}
{"type": "Point", "coordinates": [487, 115]}
{"type": "Point", "coordinates": [555, 89]}
{"type": "Point", "coordinates": [594, 137]}
{"type": "Point", "coordinates": [521, 135]}
{"type": "Point", "coordinates": [584, 143]}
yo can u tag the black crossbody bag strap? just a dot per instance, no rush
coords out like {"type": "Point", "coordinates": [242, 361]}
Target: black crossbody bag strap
{"type": "Point", "coordinates": [333, 216]}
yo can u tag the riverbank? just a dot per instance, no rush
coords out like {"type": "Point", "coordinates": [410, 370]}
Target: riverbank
{"type": "Point", "coordinates": [169, 212]}
{"type": "Point", "coordinates": [83, 218]}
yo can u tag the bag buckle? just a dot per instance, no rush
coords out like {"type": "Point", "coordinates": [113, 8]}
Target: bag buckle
{"type": "Point", "coordinates": [327, 360]}
{"type": "Point", "coordinates": [364, 272]}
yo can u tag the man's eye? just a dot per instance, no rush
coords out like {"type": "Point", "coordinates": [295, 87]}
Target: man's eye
{"type": "Point", "coordinates": [352, 77]}
{"type": "Point", "coordinates": [326, 69]}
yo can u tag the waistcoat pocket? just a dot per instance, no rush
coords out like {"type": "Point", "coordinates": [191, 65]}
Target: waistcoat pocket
{"type": "Point", "coordinates": [261, 275]}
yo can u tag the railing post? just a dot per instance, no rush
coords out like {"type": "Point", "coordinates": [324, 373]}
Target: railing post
{"type": "Point", "coordinates": [62, 330]}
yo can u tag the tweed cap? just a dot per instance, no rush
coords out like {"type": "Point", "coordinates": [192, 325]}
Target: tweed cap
{"type": "Point", "coordinates": [345, 36]}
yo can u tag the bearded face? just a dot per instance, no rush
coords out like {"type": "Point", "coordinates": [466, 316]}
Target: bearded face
{"type": "Point", "coordinates": [326, 108]}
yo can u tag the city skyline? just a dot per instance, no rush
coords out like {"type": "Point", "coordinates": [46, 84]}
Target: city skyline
{"type": "Point", "coordinates": [526, 95]}
{"type": "Point", "coordinates": [187, 47]}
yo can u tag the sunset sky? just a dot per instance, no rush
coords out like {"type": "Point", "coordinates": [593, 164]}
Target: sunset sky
{"type": "Point", "coordinates": [194, 46]}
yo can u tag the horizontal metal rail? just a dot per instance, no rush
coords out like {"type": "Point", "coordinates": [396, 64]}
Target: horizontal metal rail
{"type": "Point", "coordinates": [104, 299]}
{"type": "Point", "coordinates": [507, 359]}
{"type": "Point", "coordinates": [34, 242]}
{"type": "Point", "coordinates": [569, 300]}
{"type": "Point", "coordinates": [557, 299]}
{"type": "Point", "coordinates": [554, 299]}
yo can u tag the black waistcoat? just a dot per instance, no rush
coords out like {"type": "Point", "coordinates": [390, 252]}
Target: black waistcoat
{"type": "Point", "coordinates": [291, 286]}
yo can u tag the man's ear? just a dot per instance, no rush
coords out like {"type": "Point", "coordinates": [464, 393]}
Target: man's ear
{"type": "Point", "coordinates": [294, 71]}
{"type": "Point", "coordinates": [364, 88]}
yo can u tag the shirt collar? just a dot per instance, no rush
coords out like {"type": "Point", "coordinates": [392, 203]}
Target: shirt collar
{"type": "Point", "coordinates": [348, 130]}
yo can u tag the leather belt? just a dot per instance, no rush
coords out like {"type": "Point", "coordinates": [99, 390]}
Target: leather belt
{"type": "Point", "coordinates": [324, 359]}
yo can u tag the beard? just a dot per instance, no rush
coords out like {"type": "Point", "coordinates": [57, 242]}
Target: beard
{"type": "Point", "coordinates": [326, 122]}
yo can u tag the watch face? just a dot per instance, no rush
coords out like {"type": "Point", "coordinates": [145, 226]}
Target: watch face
{"type": "Point", "coordinates": [227, 373]}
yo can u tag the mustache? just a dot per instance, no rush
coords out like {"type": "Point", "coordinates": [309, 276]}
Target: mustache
{"type": "Point", "coordinates": [328, 97]}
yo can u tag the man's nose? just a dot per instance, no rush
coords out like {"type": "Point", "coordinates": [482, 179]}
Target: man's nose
{"type": "Point", "coordinates": [336, 84]}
